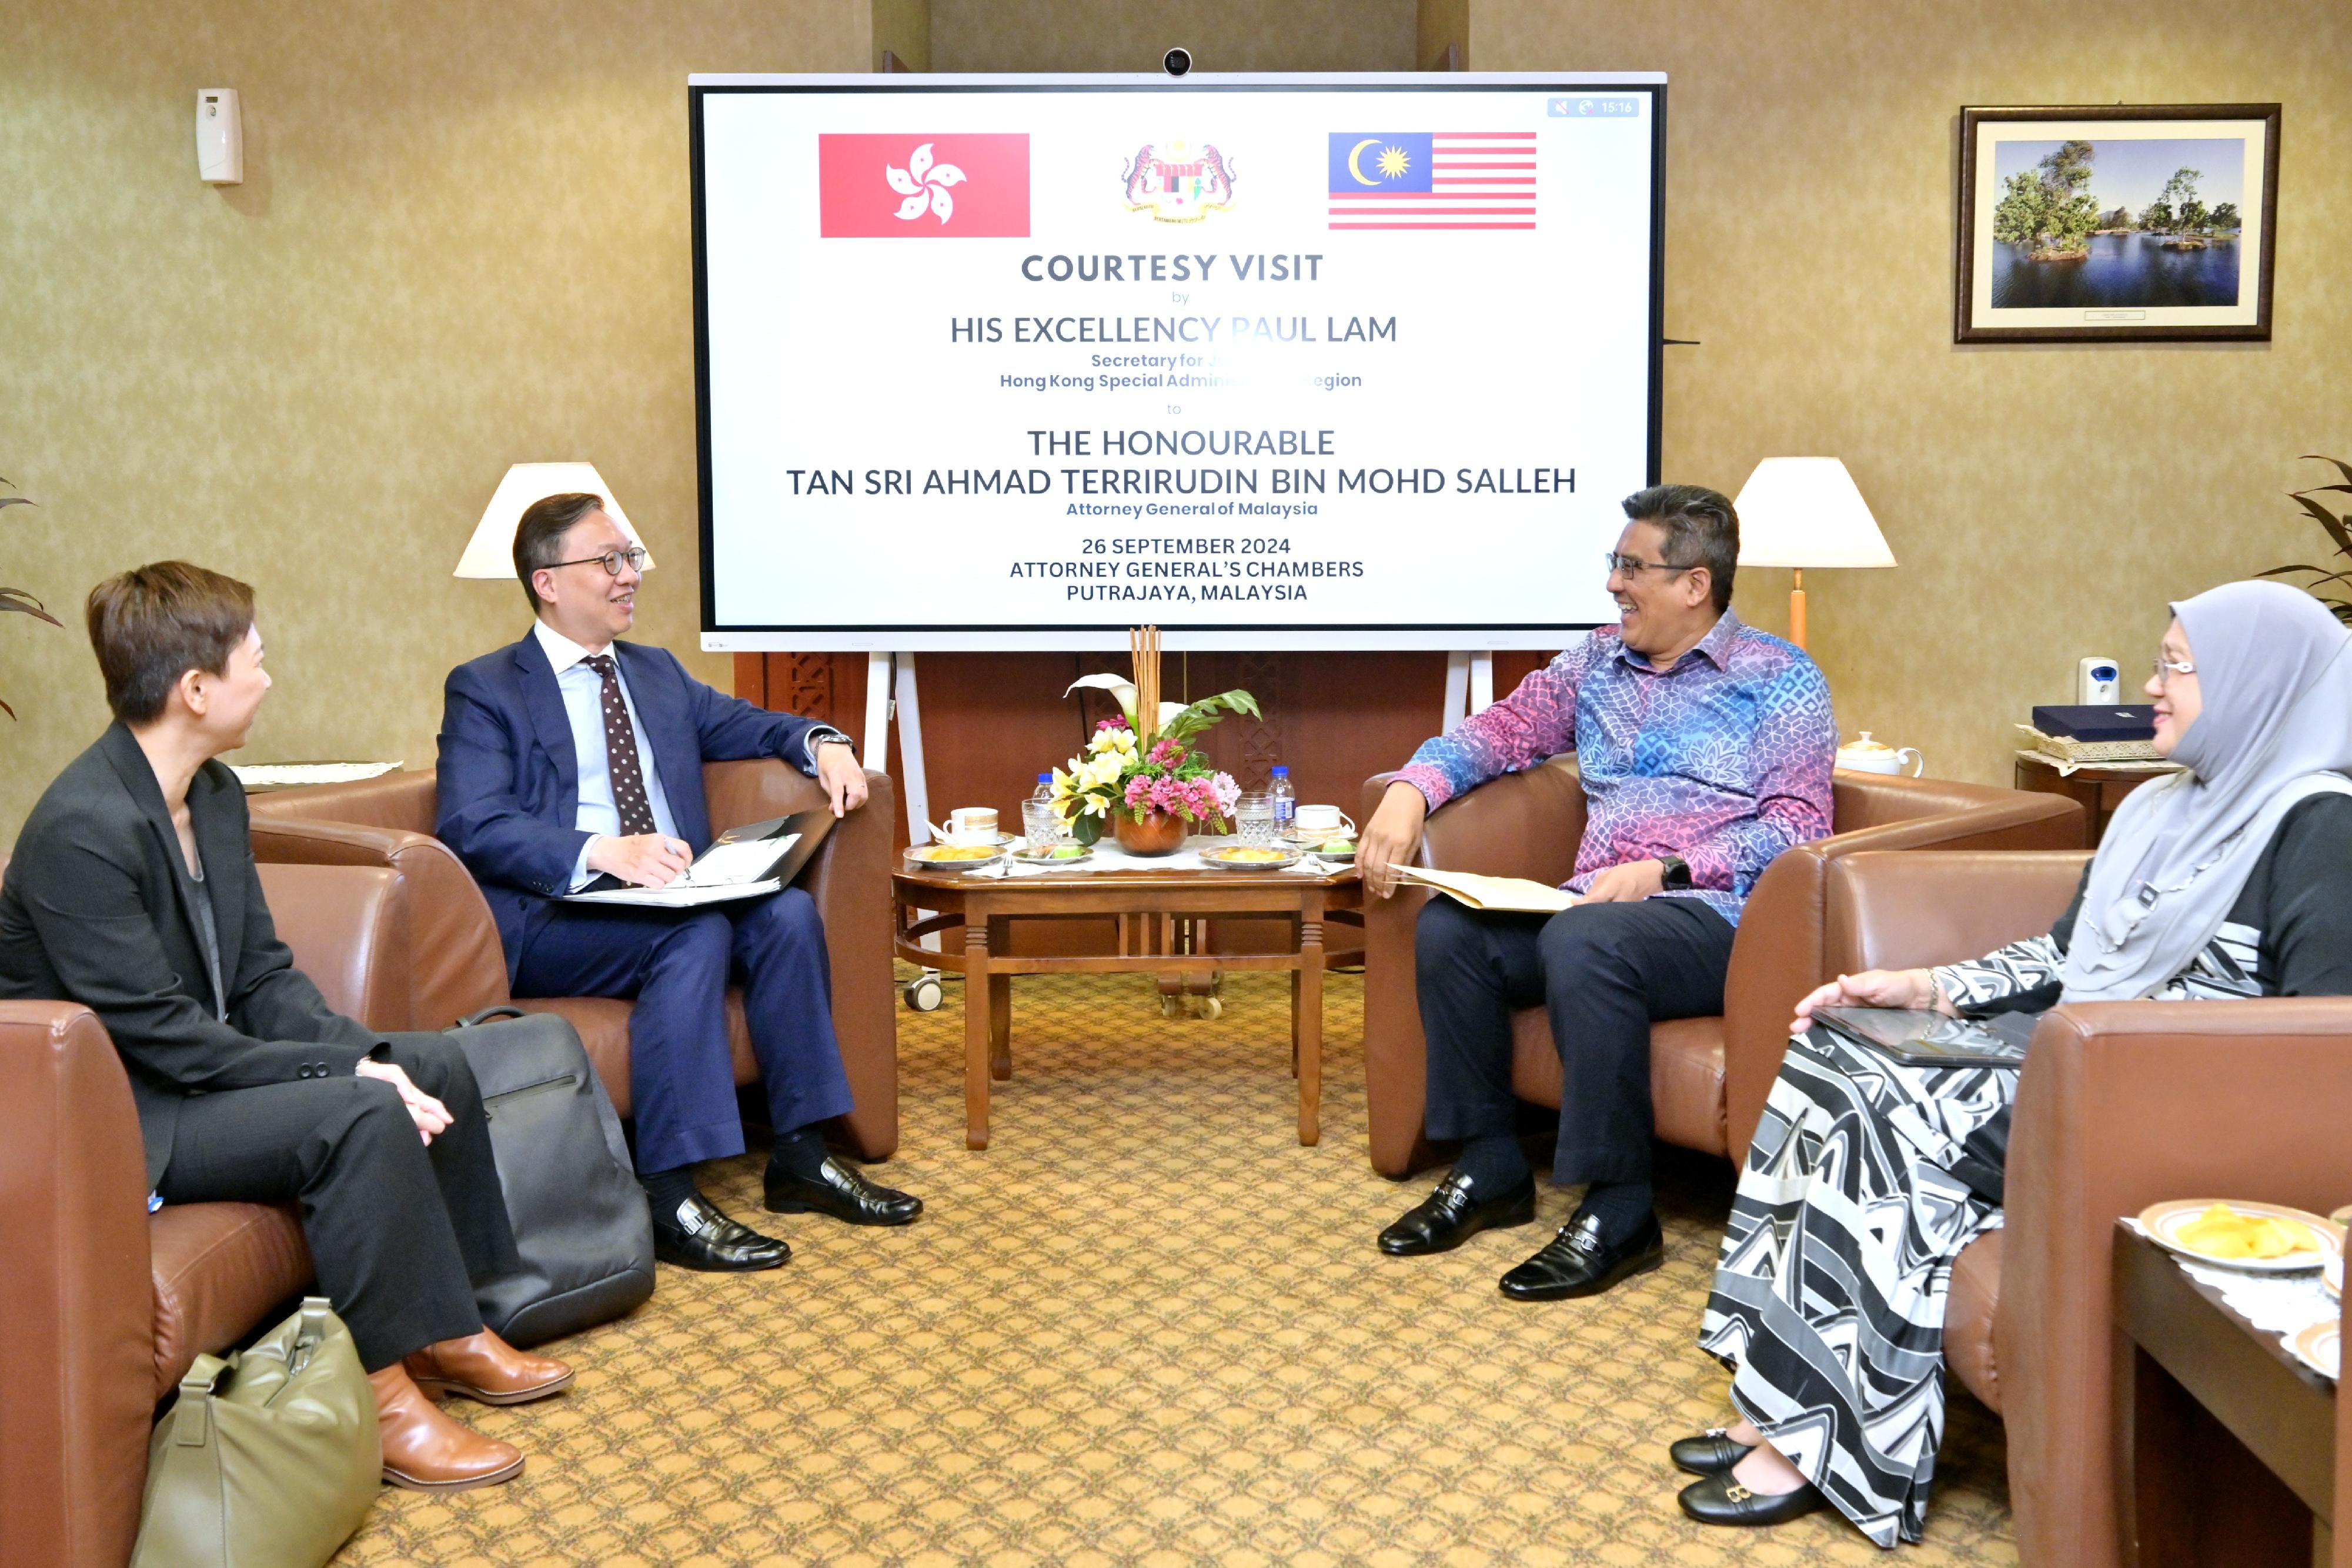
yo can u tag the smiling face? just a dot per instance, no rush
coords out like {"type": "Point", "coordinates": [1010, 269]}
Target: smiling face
{"type": "Point", "coordinates": [583, 600]}
{"type": "Point", "coordinates": [1663, 613]}
{"type": "Point", "coordinates": [2178, 699]}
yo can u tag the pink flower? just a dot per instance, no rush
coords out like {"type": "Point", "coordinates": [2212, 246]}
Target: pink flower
{"type": "Point", "coordinates": [1101, 725]}
{"type": "Point", "coordinates": [1139, 793]}
{"type": "Point", "coordinates": [1168, 753]}
{"type": "Point", "coordinates": [1229, 790]}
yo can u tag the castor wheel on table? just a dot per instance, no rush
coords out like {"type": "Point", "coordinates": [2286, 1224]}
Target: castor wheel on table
{"type": "Point", "coordinates": [924, 993]}
{"type": "Point", "coordinates": [1213, 1008]}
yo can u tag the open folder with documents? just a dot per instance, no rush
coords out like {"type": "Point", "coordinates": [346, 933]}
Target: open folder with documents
{"type": "Point", "coordinates": [1491, 892]}
{"type": "Point", "coordinates": [748, 861]}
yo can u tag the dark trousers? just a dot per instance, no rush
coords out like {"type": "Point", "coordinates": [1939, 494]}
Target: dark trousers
{"type": "Point", "coordinates": [398, 1232]}
{"type": "Point", "coordinates": [676, 965]}
{"type": "Point", "coordinates": [1604, 972]}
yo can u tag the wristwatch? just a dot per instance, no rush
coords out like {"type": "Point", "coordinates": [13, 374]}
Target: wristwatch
{"type": "Point", "coordinates": [836, 740]}
{"type": "Point", "coordinates": [1677, 875]}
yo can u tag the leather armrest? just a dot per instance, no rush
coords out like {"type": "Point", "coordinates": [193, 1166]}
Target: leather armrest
{"type": "Point", "coordinates": [1523, 824]}
{"type": "Point", "coordinates": [1926, 907]}
{"type": "Point", "coordinates": [2125, 1105]}
{"type": "Point", "coordinates": [77, 1361]}
{"type": "Point", "coordinates": [457, 964]}
{"type": "Point", "coordinates": [1781, 950]}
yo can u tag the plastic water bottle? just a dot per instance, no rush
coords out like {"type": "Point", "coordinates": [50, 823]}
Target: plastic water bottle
{"type": "Point", "coordinates": [1045, 791]}
{"type": "Point", "coordinates": [1286, 801]}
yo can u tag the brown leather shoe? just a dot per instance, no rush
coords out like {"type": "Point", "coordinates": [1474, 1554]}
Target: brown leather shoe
{"type": "Point", "coordinates": [424, 1450]}
{"type": "Point", "coordinates": [484, 1367]}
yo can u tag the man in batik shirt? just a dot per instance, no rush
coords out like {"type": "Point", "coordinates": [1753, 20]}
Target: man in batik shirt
{"type": "Point", "coordinates": [1705, 747]}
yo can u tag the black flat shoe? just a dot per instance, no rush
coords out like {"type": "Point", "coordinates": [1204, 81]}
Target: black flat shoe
{"type": "Point", "coordinates": [840, 1192]}
{"type": "Point", "coordinates": [1710, 1453]}
{"type": "Point", "coordinates": [699, 1237]}
{"type": "Point", "coordinates": [1447, 1217]}
{"type": "Point", "coordinates": [1719, 1500]}
{"type": "Point", "coordinates": [1576, 1264]}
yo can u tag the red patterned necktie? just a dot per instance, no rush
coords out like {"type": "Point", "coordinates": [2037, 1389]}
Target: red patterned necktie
{"type": "Point", "coordinates": [621, 751]}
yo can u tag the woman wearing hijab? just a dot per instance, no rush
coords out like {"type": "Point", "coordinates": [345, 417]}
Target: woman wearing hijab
{"type": "Point", "coordinates": [1867, 1177]}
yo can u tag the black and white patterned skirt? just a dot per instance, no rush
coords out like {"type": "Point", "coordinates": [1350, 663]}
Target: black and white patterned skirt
{"type": "Point", "coordinates": [1829, 1297]}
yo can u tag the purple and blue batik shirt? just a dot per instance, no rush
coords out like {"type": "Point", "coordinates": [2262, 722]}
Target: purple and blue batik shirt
{"type": "Point", "coordinates": [1723, 760]}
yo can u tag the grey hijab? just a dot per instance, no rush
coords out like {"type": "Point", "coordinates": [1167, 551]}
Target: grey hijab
{"type": "Point", "coordinates": [2275, 729]}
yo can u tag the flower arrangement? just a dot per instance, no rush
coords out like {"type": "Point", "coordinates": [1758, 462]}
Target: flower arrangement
{"type": "Point", "coordinates": [1142, 765]}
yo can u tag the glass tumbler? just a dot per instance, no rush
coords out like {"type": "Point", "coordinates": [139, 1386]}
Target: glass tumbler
{"type": "Point", "coordinates": [1253, 820]}
{"type": "Point", "coordinates": [1041, 826]}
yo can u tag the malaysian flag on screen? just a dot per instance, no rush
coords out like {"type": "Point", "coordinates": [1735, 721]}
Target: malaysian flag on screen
{"type": "Point", "coordinates": [1433, 180]}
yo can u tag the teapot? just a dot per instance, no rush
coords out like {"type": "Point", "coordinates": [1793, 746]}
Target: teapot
{"type": "Point", "coordinates": [1868, 756]}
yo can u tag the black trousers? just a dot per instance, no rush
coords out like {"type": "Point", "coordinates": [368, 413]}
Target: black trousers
{"type": "Point", "coordinates": [1604, 972]}
{"type": "Point", "coordinates": [398, 1232]}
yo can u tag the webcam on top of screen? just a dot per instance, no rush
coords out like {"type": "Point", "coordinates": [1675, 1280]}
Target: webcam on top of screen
{"type": "Point", "coordinates": [1176, 61]}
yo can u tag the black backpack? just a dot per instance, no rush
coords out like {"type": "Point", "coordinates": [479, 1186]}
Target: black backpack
{"type": "Point", "coordinates": [579, 1215]}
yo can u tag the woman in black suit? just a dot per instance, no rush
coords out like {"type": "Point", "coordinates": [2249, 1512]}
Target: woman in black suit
{"type": "Point", "coordinates": [133, 892]}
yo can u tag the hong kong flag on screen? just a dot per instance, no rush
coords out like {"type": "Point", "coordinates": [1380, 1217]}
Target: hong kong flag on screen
{"type": "Point", "coordinates": [923, 187]}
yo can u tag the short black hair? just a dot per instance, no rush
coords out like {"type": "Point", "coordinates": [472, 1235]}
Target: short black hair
{"type": "Point", "coordinates": [539, 538]}
{"type": "Point", "coordinates": [1702, 530]}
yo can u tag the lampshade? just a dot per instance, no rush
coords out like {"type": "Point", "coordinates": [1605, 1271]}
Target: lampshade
{"type": "Point", "coordinates": [1806, 512]}
{"type": "Point", "coordinates": [490, 552]}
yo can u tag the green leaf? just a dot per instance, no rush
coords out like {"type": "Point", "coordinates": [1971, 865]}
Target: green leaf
{"type": "Point", "coordinates": [2328, 520]}
{"type": "Point", "coordinates": [2341, 467]}
{"type": "Point", "coordinates": [1208, 711]}
{"type": "Point", "coordinates": [1088, 829]}
{"type": "Point", "coordinates": [16, 500]}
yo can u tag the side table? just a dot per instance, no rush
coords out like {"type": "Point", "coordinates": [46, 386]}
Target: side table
{"type": "Point", "coordinates": [984, 907]}
{"type": "Point", "coordinates": [2097, 786]}
{"type": "Point", "coordinates": [2184, 1360]}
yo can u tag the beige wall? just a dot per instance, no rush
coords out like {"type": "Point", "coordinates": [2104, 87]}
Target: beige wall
{"type": "Point", "coordinates": [462, 242]}
{"type": "Point", "coordinates": [2044, 502]}
{"type": "Point", "coordinates": [1131, 36]}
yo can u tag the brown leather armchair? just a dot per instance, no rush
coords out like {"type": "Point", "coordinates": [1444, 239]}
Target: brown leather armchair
{"type": "Point", "coordinates": [1707, 1076]}
{"type": "Point", "coordinates": [107, 1307]}
{"type": "Point", "coordinates": [2123, 1105]}
{"type": "Point", "coordinates": [460, 968]}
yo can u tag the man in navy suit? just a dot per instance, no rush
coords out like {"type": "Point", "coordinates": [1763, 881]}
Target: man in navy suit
{"type": "Point", "coordinates": [569, 755]}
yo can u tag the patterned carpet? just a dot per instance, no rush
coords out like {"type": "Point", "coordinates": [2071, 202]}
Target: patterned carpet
{"type": "Point", "coordinates": [1145, 1328]}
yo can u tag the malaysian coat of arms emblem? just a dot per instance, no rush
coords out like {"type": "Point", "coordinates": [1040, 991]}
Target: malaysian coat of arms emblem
{"type": "Point", "coordinates": [1179, 186]}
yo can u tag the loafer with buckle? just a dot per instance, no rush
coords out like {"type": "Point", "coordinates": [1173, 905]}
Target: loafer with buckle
{"type": "Point", "coordinates": [1710, 1453]}
{"type": "Point", "coordinates": [839, 1192]}
{"type": "Point", "coordinates": [1721, 1499]}
{"type": "Point", "coordinates": [1449, 1217]}
{"type": "Point", "coordinates": [1577, 1262]}
{"type": "Point", "coordinates": [699, 1237]}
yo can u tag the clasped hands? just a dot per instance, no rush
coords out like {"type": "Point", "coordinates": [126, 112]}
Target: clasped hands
{"type": "Point", "coordinates": [656, 860]}
{"type": "Point", "coordinates": [431, 1116]}
{"type": "Point", "coordinates": [1394, 834]}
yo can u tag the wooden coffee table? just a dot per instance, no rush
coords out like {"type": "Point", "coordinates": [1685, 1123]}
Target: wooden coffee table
{"type": "Point", "coordinates": [1147, 902]}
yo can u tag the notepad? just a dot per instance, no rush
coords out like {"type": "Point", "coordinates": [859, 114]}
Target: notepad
{"type": "Point", "coordinates": [748, 861]}
{"type": "Point", "coordinates": [1492, 893]}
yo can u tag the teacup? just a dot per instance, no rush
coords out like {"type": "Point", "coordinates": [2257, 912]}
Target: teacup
{"type": "Point", "coordinates": [973, 825]}
{"type": "Point", "coordinates": [1322, 823]}
{"type": "Point", "coordinates": [1868, 756]}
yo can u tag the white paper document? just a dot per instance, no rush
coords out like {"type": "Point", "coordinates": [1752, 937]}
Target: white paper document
{"type": "Point", "coordinates": [677, 894]}
{"type": "Point", "coordinates": [720, 872]}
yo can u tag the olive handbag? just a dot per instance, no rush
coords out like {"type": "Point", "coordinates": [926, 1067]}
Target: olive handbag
{"type": "Point", "coordinates": [267, 1459]}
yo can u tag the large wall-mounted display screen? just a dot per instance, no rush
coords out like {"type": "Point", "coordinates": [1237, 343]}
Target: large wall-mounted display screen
{"type": "Point", "coordinates": [1267, 362]}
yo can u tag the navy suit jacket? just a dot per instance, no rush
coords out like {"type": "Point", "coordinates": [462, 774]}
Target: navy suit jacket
{"type": "Point", "coordinates": [509, 785]}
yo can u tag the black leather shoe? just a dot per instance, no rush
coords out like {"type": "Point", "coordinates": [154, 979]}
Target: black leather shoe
{"type": "Point", "coordinates": [1576, 1264]}
{"type": "Point", "coordinates": [1710, 1453]}
{"type": "Point", "coordinates": [1447, 1217]}
{"type": "Point", "coordinates": [699, 1237]}
{"type": "Point", "coordinates": [840, 1191]}
{"type": "Point", "coordinates": [1719, 1500]}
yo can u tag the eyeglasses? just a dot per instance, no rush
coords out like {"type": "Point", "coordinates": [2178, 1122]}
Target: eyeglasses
{"type": "Point", "coordinates": [611, 560]}
{"type": "Point", "coordinates": [1634, 566]}
{"type": "Point", "coordinates": [2166, 669]}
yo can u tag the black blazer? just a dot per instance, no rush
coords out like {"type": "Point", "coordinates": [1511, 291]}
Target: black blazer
{"type": "Point", "coordinates": [92, 910]}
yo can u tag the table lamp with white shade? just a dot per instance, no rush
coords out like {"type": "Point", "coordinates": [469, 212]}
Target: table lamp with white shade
{"type": "Point", "coordinates": [490, 552]}
{"type": "Point", "coordinates": [1806, 511]}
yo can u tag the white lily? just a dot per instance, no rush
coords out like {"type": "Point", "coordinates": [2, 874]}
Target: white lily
{"type": "Point", "coordinates": [1123, 689]}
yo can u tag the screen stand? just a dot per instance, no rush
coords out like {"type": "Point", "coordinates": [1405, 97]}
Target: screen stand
{"type": "Point", "coordinates": [1469, 685]}
{"type": "Point", "coordinates": [883, 672]}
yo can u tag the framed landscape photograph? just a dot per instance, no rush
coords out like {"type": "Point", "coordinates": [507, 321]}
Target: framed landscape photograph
{"type": "Point", "coordinates": [2131, 222]}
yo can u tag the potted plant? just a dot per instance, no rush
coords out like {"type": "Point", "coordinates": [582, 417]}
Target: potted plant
{"type": "Point", "coordinates": [1140, 774]}
{"type": "Point", "coordinates": [2336, 572]}
{"type": "Point", "coordinates": [16, 599]}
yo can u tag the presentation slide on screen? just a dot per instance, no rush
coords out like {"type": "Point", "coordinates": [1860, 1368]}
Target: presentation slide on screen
{"type": "Point", "coordinates": [1364, 363]}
